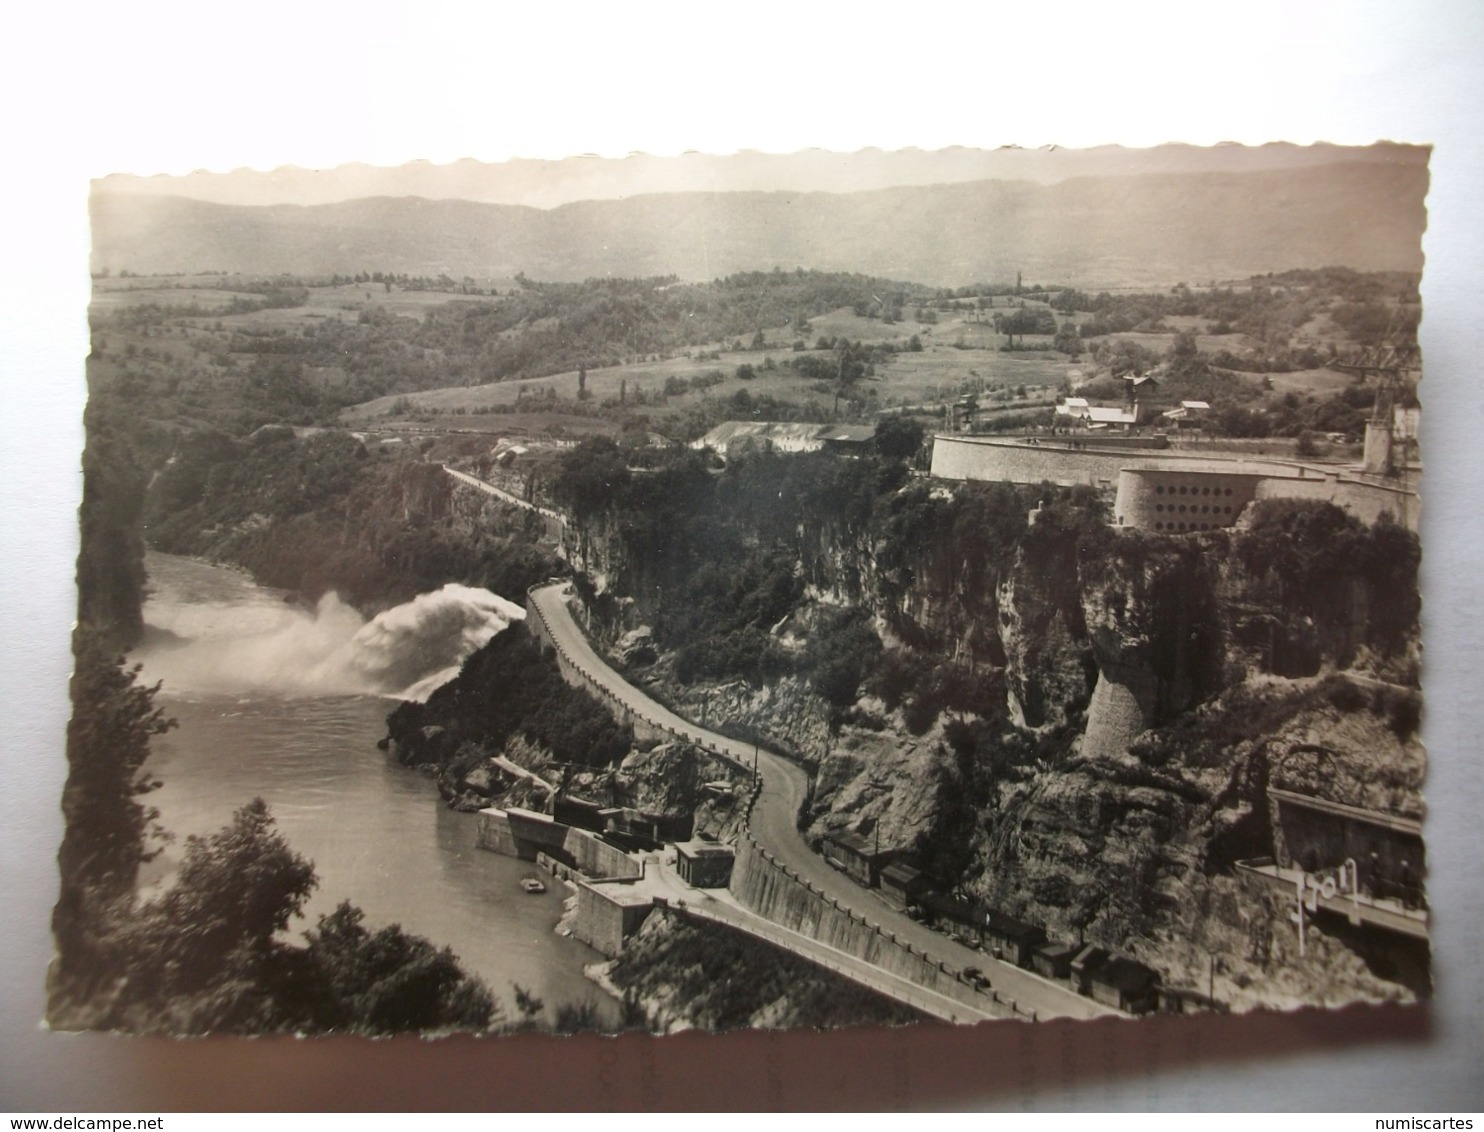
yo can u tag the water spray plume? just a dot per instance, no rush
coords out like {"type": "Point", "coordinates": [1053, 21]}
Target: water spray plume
{"type": "Point", "coordinates": [407, 651]}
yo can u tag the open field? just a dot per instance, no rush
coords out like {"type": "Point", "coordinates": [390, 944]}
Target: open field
{"type": "Point", "coordinates": [680, 395]}
{"type": "Point", "coordinates": [1320, 382]}
{"type": "Point", "coordinates": [544, 424]}
{"type": "Point", "coordinates": [940, 370]}
{"type": "Point", "coordinates": [348, 302]}
{"type": "Point", "coordinates": [205, 297]}
{"type": "Point", "coordinates": [909, 378]}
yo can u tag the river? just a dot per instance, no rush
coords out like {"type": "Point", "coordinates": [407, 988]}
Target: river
{"type": "Point", "coordinates": [286, 703]}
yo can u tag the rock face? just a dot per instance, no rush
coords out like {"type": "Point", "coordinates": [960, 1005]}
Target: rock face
{"type": "Point", "coordinates": [1151, 620]}
{"type": "Point", "coordinates": [1136, 852]}
{"type": "Point", "coordinates": [675, 781]}
{"type": "Point", "coordinates": [794, 720]}
{"type": "Point", "coordinates": [1076, 726]}
{"type": "Point", "coordinates": [1049, 662]}
{"type": "Point", "coordinates": [882, 785]}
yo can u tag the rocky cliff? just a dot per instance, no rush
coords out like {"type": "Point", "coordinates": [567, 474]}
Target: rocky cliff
{"type": "Point", "coordinates": [318, 510]}
{"type": "Point", "coordinates": [1076, 726]}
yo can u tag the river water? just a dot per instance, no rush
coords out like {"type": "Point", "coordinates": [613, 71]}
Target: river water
{"type": "Point", "coordinates": [286, 703]}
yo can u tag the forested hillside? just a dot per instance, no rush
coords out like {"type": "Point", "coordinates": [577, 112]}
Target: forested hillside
{"type": "Point", "coordinates": [1138, 228]}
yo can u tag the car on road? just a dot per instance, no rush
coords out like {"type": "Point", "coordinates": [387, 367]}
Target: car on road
{"type": "Point", "coordinates": [974, 977]}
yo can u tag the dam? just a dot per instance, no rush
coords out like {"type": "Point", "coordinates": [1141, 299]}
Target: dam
{"type": "Point", "coordinates": [1172, 492]}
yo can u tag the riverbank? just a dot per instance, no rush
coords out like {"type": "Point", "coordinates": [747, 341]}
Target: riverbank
{"type": "Point", "coordinates": [374, 829]}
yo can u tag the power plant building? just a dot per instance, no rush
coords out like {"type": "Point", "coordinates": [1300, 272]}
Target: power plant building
{"type": "Point", "coordinates": [1168, 491]}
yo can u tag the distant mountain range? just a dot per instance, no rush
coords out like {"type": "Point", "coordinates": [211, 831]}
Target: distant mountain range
{"type": "Point", "coordinates": [1088, 231]}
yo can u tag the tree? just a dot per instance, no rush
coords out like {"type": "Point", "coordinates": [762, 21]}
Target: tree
{"type": "Point", "coordinates": [208, 954]}
{"type": "Point", "coordinates": [1068, 341]}
{"type": "Point", "coordinates": [1026, 320]}
{"type": "Point", "coordinates": [591, 474]}
{"type": "Point", "coordinates": [110, 564]}
{"type": "Point", "coordinates": [109, 833]}
{"type": "Point", "coordinates": [390, 982]}
{"type": "Point", "coordinates": [113, 719]}
{"type": "Point", "coordinates": [899, 438]}
{"type": "Point", "coordinates": [237, 889]}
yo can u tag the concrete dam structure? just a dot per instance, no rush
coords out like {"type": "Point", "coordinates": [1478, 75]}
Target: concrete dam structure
{"type": "Point", "coordinates": [1173, 492]}
{"type": "Point", "coordinates": [525, 834]}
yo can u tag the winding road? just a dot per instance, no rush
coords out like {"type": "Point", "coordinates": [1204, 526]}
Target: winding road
{"type": "Point", "coordinates": [784, 788]}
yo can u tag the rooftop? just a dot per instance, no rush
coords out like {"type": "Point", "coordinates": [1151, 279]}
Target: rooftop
{"type": "Point", "coordinates": [626, 893]}
{"type": "Point", "coordinates": [1009, 926]}
{"type": "Point", "coordinates": [847, 839]}
{"type": "Point", "coordinates": [1057, 950]}
{"type": "Point", "coordinates": [1098, 414]}
{"type": "Point", "coordinates": [704, 849]}
{"type": "Point", "coordinates": [857, 434]}
{"type": "Point", "coordinates": [901, 873]}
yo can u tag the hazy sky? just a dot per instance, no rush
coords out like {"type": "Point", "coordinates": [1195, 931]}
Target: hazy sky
{"type": "Point", "coordinates": [545, 184]}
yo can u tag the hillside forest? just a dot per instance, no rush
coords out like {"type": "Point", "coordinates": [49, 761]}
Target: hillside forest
{"type": "Point", "coordinates": [926, 649]}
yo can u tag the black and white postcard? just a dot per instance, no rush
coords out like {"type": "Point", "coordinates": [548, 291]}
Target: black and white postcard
{"type": "Point", "coordinates": [754, 592]}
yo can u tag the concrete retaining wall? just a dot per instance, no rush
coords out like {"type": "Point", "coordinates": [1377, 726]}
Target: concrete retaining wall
{"type": "Point", "coordinates": [1114, 718]}
{"type": "Point", "coordinates": [645, 726]}
{"type": "Point", "coordinates": [494, 834]}
{"type": "Point", "coordinates": [963, 458]}
{"type": "Point", "coordinates": [1139, 496]}
{"type": "Point", "coordinates": [776, 893]}
{"type": "Point", "coordinates": [598, 858]}
{"type": "Point", "coordinates": [605, 918]}
{"type": "Point", "coordinates": [1366, 501]}
{"type": "Point", "coordinates": [499, 833]}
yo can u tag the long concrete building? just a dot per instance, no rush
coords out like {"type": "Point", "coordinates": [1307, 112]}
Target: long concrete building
{"type": "Point", "coordinates": [1173, 492]}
